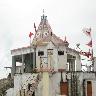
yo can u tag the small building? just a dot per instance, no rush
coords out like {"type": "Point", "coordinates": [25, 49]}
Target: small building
{"type": "Point", "coordinates": [49, 67]}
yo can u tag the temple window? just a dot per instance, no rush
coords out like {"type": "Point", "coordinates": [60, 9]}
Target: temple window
{"type": "Point", "coordinates": [40, 53]}
{"type": "Point", "coordinates": [60, 52]}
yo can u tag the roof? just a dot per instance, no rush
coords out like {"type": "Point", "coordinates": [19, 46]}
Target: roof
{"type": "Point", "coordinates": [44, 34]}
{"type": "Point", "coordinates": [54, 39]}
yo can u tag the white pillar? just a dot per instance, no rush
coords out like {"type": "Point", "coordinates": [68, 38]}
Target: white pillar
{"type": "Point", "coordinates": [78, 63]}
{"type": "Point", "coordinates": [45, 81]}
{"type": "Point", "coordinates": [94, 63]}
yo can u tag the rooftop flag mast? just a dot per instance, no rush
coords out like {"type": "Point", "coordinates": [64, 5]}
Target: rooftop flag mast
{"type": "Point", "coordinates": [30, 35]}
{"type": "Point", "coordinates": [87, 31]}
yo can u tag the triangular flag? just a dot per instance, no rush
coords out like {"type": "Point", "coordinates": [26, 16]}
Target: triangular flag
{"type": "Point", "coordinates": [90, 43]}
{"type": "Point", "coordinates": [87, 31]}
{"type": "Point", "coordinates": [30, 34]}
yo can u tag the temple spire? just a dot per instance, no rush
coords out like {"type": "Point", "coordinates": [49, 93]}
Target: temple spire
{"type": "Point", "coordinates": [43, 11]}
{"type": "Point", "coordinates": [66, 42]}
{"type": "Point", "coordinates": [43, 17]}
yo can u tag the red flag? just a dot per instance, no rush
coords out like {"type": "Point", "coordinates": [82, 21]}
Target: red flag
{"type": "Point", "coordinates": [90, 43]}
{"type": "Point", "coordinates": [30, 34]}
{"type": "Point", "coordinates": [91, 58]}
{"type": "Point", "coordinates": [87, 31]}
{"type": "Point", "coordinates": [88, 54]}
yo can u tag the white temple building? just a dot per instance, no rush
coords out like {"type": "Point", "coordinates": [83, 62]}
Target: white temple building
{"type": "Point", "coordinates": [50, 68]}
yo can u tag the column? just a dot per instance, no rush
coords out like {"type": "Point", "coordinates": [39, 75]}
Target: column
{"type": "Point", "coordinates": [13, 70]}
{"type": "Point", "coordinates": [34, 60]}
{"type": "Point", "coordinates": [78, 63]}
{"type": "Point", "coordinates": [22, 67]}
{"type": "Point", "coordinates": [73, 64]}
{"type": "Point", "coordinates": [45, 81]}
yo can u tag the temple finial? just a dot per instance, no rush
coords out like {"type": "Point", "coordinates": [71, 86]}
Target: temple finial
{"type": "Point", "coordinates": [66, 42]}
{"type": "Point", "coordinates": [65, 38]}
{"type": "Point", "coordinates": [43, 11]}
{"type": "Point", "coordinates": [43, 14]}
{"type": "Point", "coordinates": [43, 17]}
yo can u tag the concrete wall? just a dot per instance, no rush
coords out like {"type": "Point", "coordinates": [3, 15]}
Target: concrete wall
{"type": "Point", "coordinates": [94, 63]}
{"type": "Point", "coordinates": [40, 48]}
{"type": "Point", "coordinates": [57, 61]}
{"type": "Point", "coordinates": [55, 83]}
{"type": "Point", "coordinates": [62, 59]}
{"type": "Point", "coordinates": [18, 69]}
{"type": "Point", "coordinates": [87, 76]}
{"type": "Point", "coordinates": [20, 51]}
{"type": "Point", "coordinates": [77, 60]}
{"type": "Point", "coordinates": [21, 82]}
{"type": "Point", "coordinates": [45, 59]}
{"type": "Point", "coordinates": [10, 92]}
{"type": "Point", "coordinates": [93, 87]}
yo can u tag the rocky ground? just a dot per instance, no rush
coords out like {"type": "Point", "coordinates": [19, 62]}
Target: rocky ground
{"type": "Point", "coordinates": [5, 84]}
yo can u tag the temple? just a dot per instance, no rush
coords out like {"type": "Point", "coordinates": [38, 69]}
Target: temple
{"type": "Point", "coordinates": [49, 67]}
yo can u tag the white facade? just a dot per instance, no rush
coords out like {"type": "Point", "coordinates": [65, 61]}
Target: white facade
{"type": "Point", "coordinates": [10, 92]}
{"type": "Point", "coordinates": [53, 61]}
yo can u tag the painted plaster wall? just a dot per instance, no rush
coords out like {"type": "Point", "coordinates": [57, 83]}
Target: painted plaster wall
{"type": "Point", "coordinates": [94, 63]}
{"type": "Point", "coordinates": [10, 92]}
{"type": "Point", "coordinates": [78, 63]}
{"type": "Point", "coordinates": [54, 84]}
{"type": "Point", "coordinates": [18, 69]}
{"type": "Point", "coordinates": [40, 48]}
{"type": "Point", "coordinates": [17, 84]}
{"type": "Point", "coordinates": [45, 49]}
{"type": "Point", "coordinates": [78, 59]}
{"type": "Point", "coordinates": [53, 57]}
{"type": "Point", "coordinates": [87, 76]}
{"type": "Point", "coordinates": [21, 81]}
{"type": "Point", "coordinates": [21, 51]}
{"type": "Point", "coordinates": [93, 87]}
{"type": "Point", "coordinates": [62, 59]}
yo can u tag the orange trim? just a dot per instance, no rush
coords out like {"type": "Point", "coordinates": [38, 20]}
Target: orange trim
{"type": "Point", "coordinates": [89, 88]}
{"type": "Point", "coordinates": [64, 88]}
{"type": "Point", "coordinates": [61, 70]}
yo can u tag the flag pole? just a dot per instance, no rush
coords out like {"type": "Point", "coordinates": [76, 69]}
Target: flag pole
{"type": "Point", "coordinates": [92, 50]}
{"type": "Point", "coordinates": [91, 45]}
{"type": "Point", "coordinates": [87, 31]}
{"type": "Point", "coordinates": [30, 51]}
{"type": "Point", "coordinates": [92, 55]}
{"type": "Point", "coordinates": [30, 34]}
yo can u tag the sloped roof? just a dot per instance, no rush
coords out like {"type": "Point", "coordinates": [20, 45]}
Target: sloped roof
{"type": "Point", "coordinates": [42, 39]}
{"type": "Point", "coordinates": [54, 39]}
{"type": "Point", "coordinates": [44, 25]}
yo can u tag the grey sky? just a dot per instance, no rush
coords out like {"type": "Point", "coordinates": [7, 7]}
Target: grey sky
{"type": "Point", "coordinates": [66, 17]}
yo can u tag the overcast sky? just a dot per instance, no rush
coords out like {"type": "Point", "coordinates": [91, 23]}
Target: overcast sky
{"type": "Point", "coordinates": [66, 17]}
